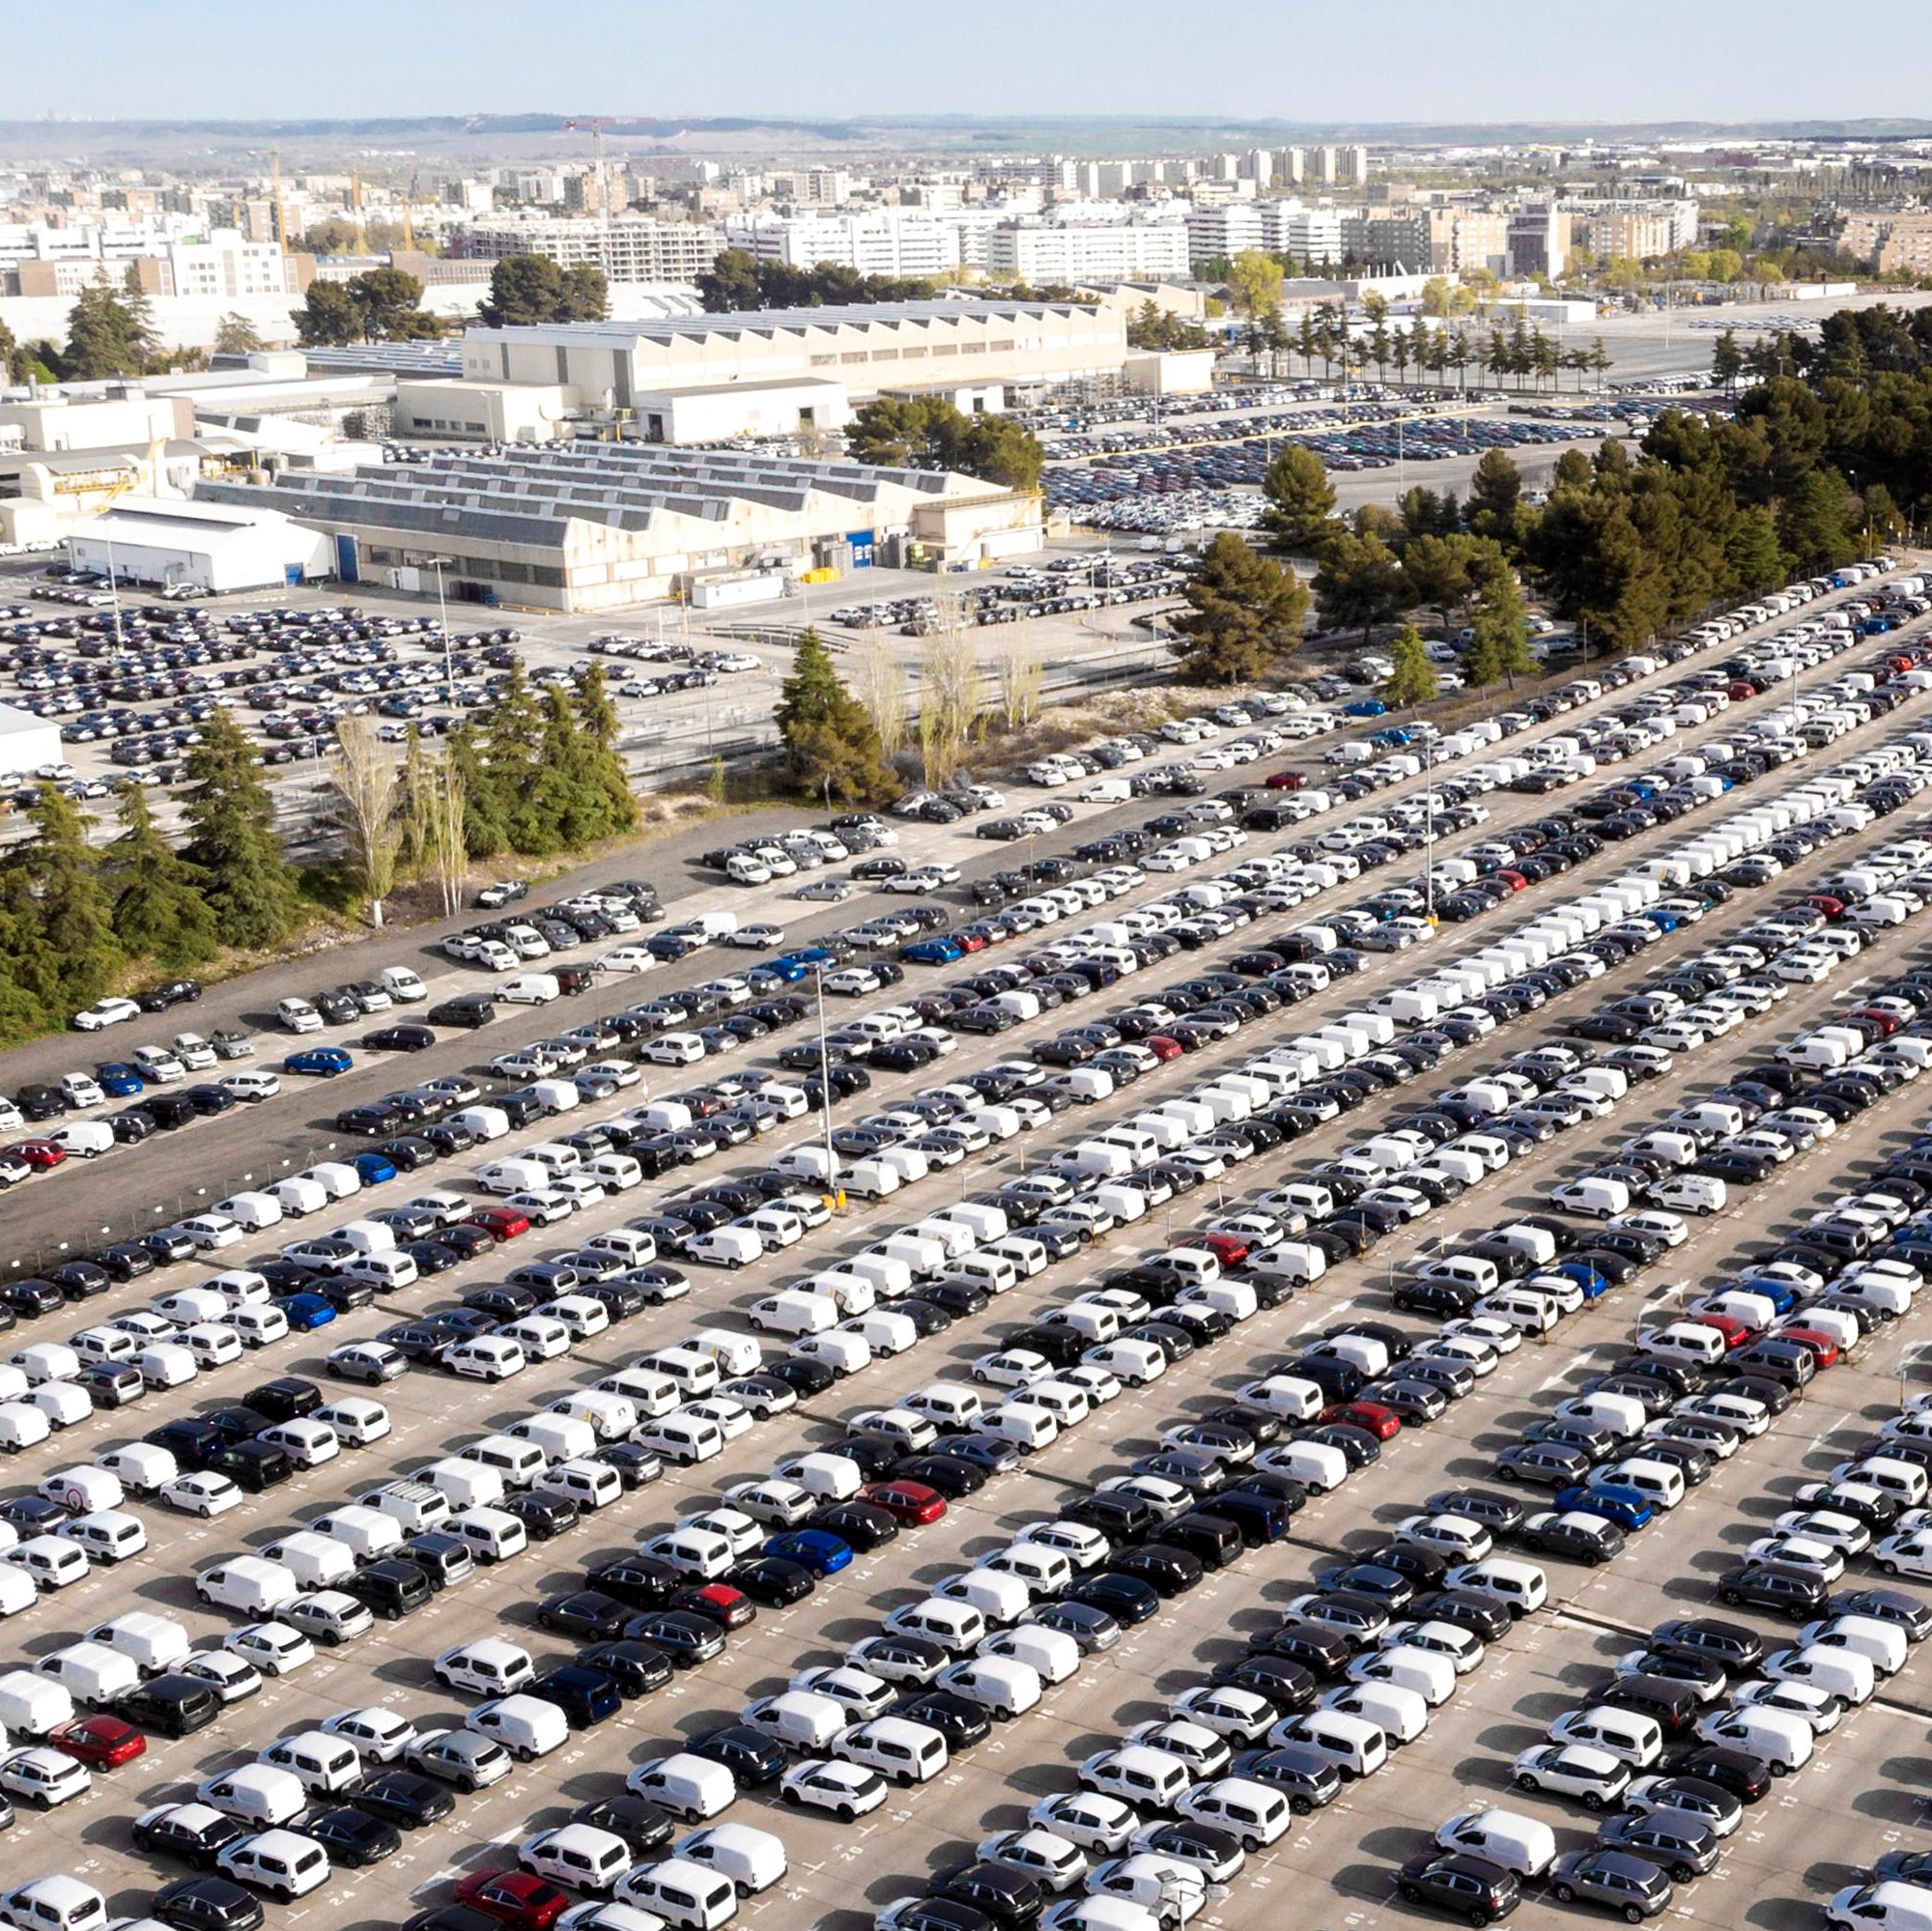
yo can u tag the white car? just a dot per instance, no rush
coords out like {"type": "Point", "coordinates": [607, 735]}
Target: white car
{"type": "Point", "coordinates": [1817, 1559]}
{"type": "Point", "coordinates": [1594, 1777]}
{"type": "Point", "coordinates": [1817, 1707]}
{"type": "Point", "coordinates": [43, 1777]}
{"type": "Point", "coordinates": [1088, 1818]}
{"type": "Point", "coordinates": [273, 1647]}
{"type": "Point", "coordinates": [1012, 1368]}
{"type": "Point", "coordinates": [106, 1012]}
{"type": "Point", "coordinates": [201, 1494]}
{"type": "Point", "coordinates": [848, 1790]}
{"type": "Point", "coordinates": [231, 1677]}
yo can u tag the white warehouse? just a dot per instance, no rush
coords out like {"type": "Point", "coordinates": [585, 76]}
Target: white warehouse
{"type": "Point", "coordinates": [217, 547]}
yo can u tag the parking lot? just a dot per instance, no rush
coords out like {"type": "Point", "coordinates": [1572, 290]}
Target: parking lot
{"type": "Point", "coordinates": [1853, 1798]}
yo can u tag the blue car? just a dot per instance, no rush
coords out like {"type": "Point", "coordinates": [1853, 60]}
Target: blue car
{"type": "Point", "coordinates": [934, 951]}
{"type": "Point", "coordinates": [819, 1551]}
{"type": "Point", "coordinates": [1584, 1275]}
{"type": "Point", "coordinates": [1782, 1294]}
{"type": "Point", "coordinates": [806, 957]}
{"type": "Point", "coordinates": [374, 1168]}
{"type": "Point", "coordinates": [318, 1063]}
{"type": "Point", "coordinates": [1626, 1507]}
{"type": "Point", "coordinates": [117, 1079]}
{"type": "Point", "coordinates": [1664, 922]}
{"type": "Point", "coordinates": [306, 1312]}
{"type": "Point", "coordinates": [774, 975]}
{"type": "Point", "coordinates": [1365, 707]}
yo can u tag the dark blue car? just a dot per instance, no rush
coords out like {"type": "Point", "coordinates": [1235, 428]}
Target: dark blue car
{"type": "Point", "coordinates": [117, 1079]}
{"type": "Point", "coordinates": [818, 1550]}
{"type": "Point", "coordinates": [318, 1063]}
{"type": "Point", "coordinates": [933, 951]}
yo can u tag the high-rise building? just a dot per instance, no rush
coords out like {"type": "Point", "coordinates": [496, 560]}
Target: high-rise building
{"type": "Point", "coordinates": [882, 242]}
{"type": "Point", "coordinates": [1325, 166]}
{"type": "Point", "coordinates": [1042, 252]}
{"type": "Point", "coordinates": [627, 247]}
{"type": "Point", "coordinates": [1539, 239]}
{"type": "Point", "coordinates": [1355, 165]}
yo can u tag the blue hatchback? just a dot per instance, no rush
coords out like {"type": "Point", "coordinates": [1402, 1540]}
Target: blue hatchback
{"type": "Point", "coordinates": [307, 1312]}
{"type": "Point", "coordinates": [374, 1168]}
{"type": "Point", "coordinates": [318, 1063]}
{"type": "Point", "coordinates": [934, 951]}
{"type": "Point", "coordinates": [117, 1079]}
{"type": "Point", "coordinates": [1626, 1507]}
{"type": "Point", "coordinates": [1584, 1275]}
{"type": "Point", "coordinates": [819, 1551]}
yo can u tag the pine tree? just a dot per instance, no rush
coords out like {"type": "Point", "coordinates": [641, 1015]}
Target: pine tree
{"type": "Point", "coordinates": [548, 816]}
{"type": "Point", "coordinates": [1752, 554]}
{"type": "Point", "coordinates": [1412, 681]}
{"type": "Point", "coordinates": [485, 826]}
{"type": "Point", "coordinates": [604, 765]}
{"type": "Point", "coordinates": [1248, 617]}
{"type": "Point", "coordinates": [143, 341]}
{"type": "Point", "coordinates": [30, 969]}
{"type": "Point", "coordinates": [1500, 648]}
{"type": "Point", "coordinates": [831, 743]}
{"type": "Point", "coordinates": [233, 844]}
{"type": "Point", "coordinates": [510, 745]}
{"type": "Point", "coordinates": [1300, 515]}
{"type": "Point", "coordinates": [1495, 508]}
{"type": "Point", "coordinates": [100, 336]}
{"type": "Point", "coordinates": [158, 910]}
{"type": "Point", "coordinates": [1813, 521]}
{"type": "Point", "coordinates": [76, 921]}
{"type": "Point", "coordinates": [1360, 584]}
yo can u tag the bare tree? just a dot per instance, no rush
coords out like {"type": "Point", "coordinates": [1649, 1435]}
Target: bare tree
{"type": "Point", "coordinates": [364, 782]}
{"type": "Point", "coordinates": [877, 678]}
{"type": "Point", "coordinates": [1021, 675]}
{"type": "Point", "coordinates": [445, 854]}
{"type": "Point", "coordinates": [949, 698]}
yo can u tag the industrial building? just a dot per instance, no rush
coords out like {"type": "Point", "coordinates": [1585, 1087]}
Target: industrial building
{"type": "Point", "coordinates": [163, 541]}
{"type": "Point", "coordinates": [605, 526]}
{"type": "Point", "coordinates": [27, 744]}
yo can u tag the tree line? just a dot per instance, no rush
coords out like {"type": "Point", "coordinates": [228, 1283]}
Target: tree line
{"type": "Point", "coordinates": [929, 433]}
{"type": "Point", "coordinates": [538, 776]}
{"type": "Point", "coordinates": [739, 280]}
{"type": "Point", "coordinates": [378, 305]}
{"type": "Point", "coordinates": [110, 331]}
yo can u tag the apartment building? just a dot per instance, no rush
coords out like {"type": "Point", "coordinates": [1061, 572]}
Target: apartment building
{"type": "Point", "coordinates": [881, 242]}
{"type": "Point", "coordinates": [1075, 251]}
{"type": "Point", "coordinates": [627, 247]}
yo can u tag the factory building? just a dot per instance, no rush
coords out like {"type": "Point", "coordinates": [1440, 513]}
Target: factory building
{"type": "Point", "coordinates": [601, 526]}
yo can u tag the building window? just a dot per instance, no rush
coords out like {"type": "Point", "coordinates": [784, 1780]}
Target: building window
{"type": "Point", "coordinates": [945, 347]}
{"type": "Point", "coordinates": [885, 356]}
{"type": "Point", "coordinates": [853, 356]}
{"type": "Point", "coordinates": [825, 361]}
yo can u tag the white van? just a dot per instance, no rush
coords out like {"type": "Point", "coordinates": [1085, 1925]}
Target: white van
{"type": "Point", "coordinates": [682, 1893]}
{"type": "Point", "coordinates": [897, 1748]}
{"type": "Point", "coordinates": [751, 1859]}
{"type": "Point", "coordinates": [1522, 1587]}
{"type": "Point", "coordinates": [690, 1787]}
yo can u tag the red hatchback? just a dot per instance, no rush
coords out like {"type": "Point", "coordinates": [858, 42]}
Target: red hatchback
{"type": "Point", "coordinates": [1823, 1348]}
{"type": "Point", "coordinates": [910, 1503]}
{"type": "Point", "coordinates": [729, 1608]}
{"type": "Point", "coordinates": [1369, 1416]}
{"type": "Point", "coordinates": [1162, 1047]}
{"type": "Point", "coordinates": [1230, 1249]}
{"type": "Point", "coordinates": [513, 1898]}
{"type": "Point", "coordinates": [1736, 1334]}
{"type": "Point", "coordinates": [1286, 781]}
{"type": "Point", "coordinates": [39, 1154]}
{"type": "Point", "coordinates": [500, 1223]}
{"type": "Point", "coordinates": [100, 1743]}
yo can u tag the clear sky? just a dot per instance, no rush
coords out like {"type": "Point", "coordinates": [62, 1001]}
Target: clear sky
{"type": "Point", "coordinates": [1363, 61]}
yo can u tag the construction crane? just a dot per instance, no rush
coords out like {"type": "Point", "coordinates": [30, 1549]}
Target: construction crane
{"type": "Point", "coordinates": [596, 122]}
{"type": "Point", "coordinates": [275, 191]}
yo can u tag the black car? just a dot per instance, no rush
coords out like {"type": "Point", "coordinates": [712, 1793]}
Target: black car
{"type": "Point", "coordinates": [1769, 1586]}
{"type": "Point", "coordinates": [1578, 1535]}
{"type": "Point", "coordinates": [164, 1834]}
{"type": "Point", "coordinates": [352, 1837]}
{"type": "Point", "coordinates": [1127, 1599]}
{"type": "Point", "coordinates": [684, 1637]}
{"type": "Point", "coordinates": [1469, 1887]}
{"type": "Point", "coordinates": [636, 1668]}
{"type": "Point", "coordinates": [1744, 1777]}
{"type": "Point", "coordinates": [206, 1904]}
{"type": "Point", "coordinates": [1006, 1898]}
{"type": "Point", "coordinates": [960, 1723]}
{"type": "Point", "coordinates": [1731, 1646]}
{"type": "Point", "coordinates": [639, 1823]}
{"type": "Point", "coordinates": [752, 1757]}
{"type": "Point", "coordinates": [584, 1613]}
{"type": "Point", "coordinates": [543, 1516]}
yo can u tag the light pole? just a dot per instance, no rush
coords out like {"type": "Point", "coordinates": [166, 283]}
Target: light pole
{"type": "Point", "coordinates": [436, 564]}
{"type": "Point", "coordinates": [834, 1191]}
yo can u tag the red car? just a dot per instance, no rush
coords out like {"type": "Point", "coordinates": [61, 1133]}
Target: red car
{"type": "Point", "coordinates": [1162, 1047]}
{"type": "Point", "coordinates": [1736, 1334]}
{"type": "Point", "coordinates": [500, 1223]}
{"type": "Point", "coordinates": [100, 1743]}
{"type": "Point", "coordinates": [729, 1608]}
{"type": "Point", "coordinates": [1515, 880]}
{"type": "Point", "coordinates": [1286, 781]}
{"type": "Point", "coordinates": [1823, 1348]}
{"type": "Point", "coordinates": [1887, 1023]}
{"type": "Point", "coordinates": [39, 1154]}
{"type": "Point", "coordinates": [969, 942]}
{"type": "Point", "coordinates": [513, 1898]}
{"type": "Point", "coordinates": [1230, 1249]}
{"type": "Point", "coordinates": [1823, 901]}
{"type": "Point", "coordinates": [910, 1503]}
{"type": "Point", "coordinates": [1370, 1417]}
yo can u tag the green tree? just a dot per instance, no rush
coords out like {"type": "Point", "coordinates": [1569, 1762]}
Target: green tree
{"type": "Point", "coordinates": [529, 289]}
{"type": "Point", "coordinates": [928, 432]}
{"type": "Point", "coordinates": [1441, 571]}
{"type": "Point", "coordinates": [389, 304]}
{"type": "Point", "coordinates": [612, 805]}
{"type": "Point", "coordinates": [1246, 614]}
{"type": "Point", "coordinates": [158, 912]}
{"type": "Point", "coordinates": [486, 823]}
{"type": "Point", "coordinates": [1253, 284]}
{"type": "Point", "coordinates": [831, 746]}
{"type": "Point", "coordinates": [1360, 584]}
{"type": "Point", "coordinates": [16, 363]}
{"type": "Point", "coordinates": [235, 335]}
{"type": "Point", "coordinates": [1497, 509]}
{"type": "Point", "coordinates": [31, 970]}
{"type": "Point", "coordinates": [1500, 648]}
{"type": "Point", "coordinates": [1727, 360]}
{"type": "Point", "coordinates": [76, 920]}
{"type": "Point", "coordinates": [143, 340]}
{"type": "Point", "coordinates": [1412, 681]}
{"type": "Point", "coordinates": [328, 317]}
{"type": "Point", "coordinates": [232, 843]}
{"type": "Point", "coordinates": [731, 283]}
{"type": "Point", "coordinates": [101, 336]}
{"type": "Point", "coordinates": [1752, 551]}
{"type": "Point", "coordinates": [1813, 522]}
{"type": "Point", "coordinates": [1300, 514]}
